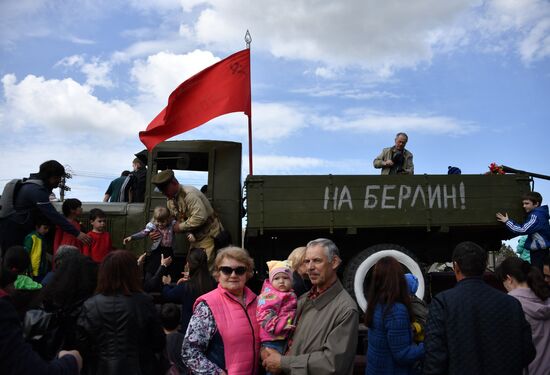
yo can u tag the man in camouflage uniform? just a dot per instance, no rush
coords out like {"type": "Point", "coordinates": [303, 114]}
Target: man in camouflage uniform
{"type": "Point", "coordinates": [193, 212]}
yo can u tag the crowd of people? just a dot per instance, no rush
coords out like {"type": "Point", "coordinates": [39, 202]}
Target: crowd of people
{"type": "Point", "coordinates": [92, 311]}
{"type": "Point", "coordinates": [100, 320]}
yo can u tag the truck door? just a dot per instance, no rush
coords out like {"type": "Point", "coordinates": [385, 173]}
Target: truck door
{"type": "Point", "coordinates": [215, 163]}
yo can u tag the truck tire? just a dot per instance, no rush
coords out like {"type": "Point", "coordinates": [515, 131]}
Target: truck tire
{"type": "Point", "coordinates": [357, 269]}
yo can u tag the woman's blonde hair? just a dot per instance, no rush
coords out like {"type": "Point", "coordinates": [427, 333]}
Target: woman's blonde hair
{"type": "Point", "coordinates": [160, 215]}
{"type": "Point", "coordinates": [236, 253]}
{"type": "Point", "coordinates": [296, 257]}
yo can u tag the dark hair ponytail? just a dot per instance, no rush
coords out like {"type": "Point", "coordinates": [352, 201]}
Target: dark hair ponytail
{"type": "Point", "coordinates": [523, 272]}
{"type": "Point", "coordinates": [200, 280]}
{"type": "Point", "coordinates": [536, 282]}
{"type": "Point", "coordinates": [388, 286]}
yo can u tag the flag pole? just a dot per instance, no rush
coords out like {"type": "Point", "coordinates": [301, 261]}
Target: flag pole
{"type": "Point", "coordinates": [248, 40]}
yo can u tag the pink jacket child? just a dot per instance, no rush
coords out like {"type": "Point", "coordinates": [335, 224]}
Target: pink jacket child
{"type": "Point", "coordinates": [277, 307]}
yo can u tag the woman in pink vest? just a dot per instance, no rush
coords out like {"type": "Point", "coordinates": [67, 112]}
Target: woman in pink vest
{"type": "Point", "coordinates": [223, 334]}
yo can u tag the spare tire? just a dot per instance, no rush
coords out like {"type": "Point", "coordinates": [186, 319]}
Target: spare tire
{"type": "Point", "coordinates": [357, 269]}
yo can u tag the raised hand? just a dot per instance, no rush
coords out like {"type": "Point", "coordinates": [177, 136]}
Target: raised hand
{"type": "Point", "coordinates": [502, 217]}
{"type": "Point", "coordinates": [141, 259]}
{"type": "Point", "coordinates": [166, 279]}
{"type": "Point", "coordinates": [165, 261]}
{"type": "Point", "coordinates": [84, 238]}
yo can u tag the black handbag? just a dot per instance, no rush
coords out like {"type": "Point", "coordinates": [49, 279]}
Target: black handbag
{"type": "Point", "coordinates": [223, 239]}
{"type": "Point", "coordinates": [42, 329]}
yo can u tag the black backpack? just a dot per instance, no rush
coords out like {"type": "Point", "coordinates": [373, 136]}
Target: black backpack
{"type": "Point", "coordinates": [7, 200]}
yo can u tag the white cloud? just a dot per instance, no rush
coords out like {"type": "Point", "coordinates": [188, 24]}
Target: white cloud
{"type": "Point", "coordinates": [349, 92]}
{"type": "Point", "coordinates": [273, 164]}
{"type": "Point", "coordinates": [361, 121]}
{"type": "Point", "coordinates": [185, 31]}
{"type": "Point", "coordinates": [40, 18]}
{"type": "Point", "coordinates": [17, 20]}
{"type": "Point", "coordinates": [379, 36]}
{"type": "Point", "coordinates": [161, 73]}
{"type": "Point", "coordinates": [523, 24]}
{"type": "Point", "coordinates": [325, 72]}
{"type": "Point", "coordinates": [536, 44]}
{"type": "Point", "coordinates": [65, 105]}
{"type": "Point", "coordinates": [271, 122]}
{"type": "Point", "coordinates": [74, 60]}
{"type": "Point", "coordinates": [77, 40]}
{"type": "Point", "coordinates": [156, 5]}
{"type": "Point", "coordinates": [299, 165]}
{"type": "Point", "coordinates": [171, 43]}
{"type": "Point", "coordinates": [96, 71]}
{"type": "Point", "coordinates": [188, 5]}
{"type": "Point", "coordinates": [275, 122]}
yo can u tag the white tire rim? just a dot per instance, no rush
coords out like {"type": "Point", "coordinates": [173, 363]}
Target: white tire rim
{"type": "Point", "coordinates": [368, 263]}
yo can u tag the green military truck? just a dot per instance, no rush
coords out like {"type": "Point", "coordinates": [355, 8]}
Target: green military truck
{"type": "Point", "coordinates": [417, 219]}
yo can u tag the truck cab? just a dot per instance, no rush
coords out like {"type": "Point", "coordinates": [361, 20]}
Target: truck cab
{"type": "Point", "coordinates": [215, 163]}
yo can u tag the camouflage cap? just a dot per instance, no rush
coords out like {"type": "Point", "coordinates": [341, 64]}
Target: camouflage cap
{"type": "Point", "coordinates": [163, 178]}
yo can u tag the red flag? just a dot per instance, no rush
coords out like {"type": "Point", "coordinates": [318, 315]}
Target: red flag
{"type": "Point", "coordinates": [219, 89]}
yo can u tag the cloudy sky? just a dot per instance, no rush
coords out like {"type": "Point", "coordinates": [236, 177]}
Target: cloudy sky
{"type": "Point", "coordinates": [332, 82]}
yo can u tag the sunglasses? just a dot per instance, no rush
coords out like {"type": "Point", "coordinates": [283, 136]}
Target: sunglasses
{"type": "Point", "coordinates": [239, 271]}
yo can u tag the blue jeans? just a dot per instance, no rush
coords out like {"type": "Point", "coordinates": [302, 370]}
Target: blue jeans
{"type": "Point", "coordinates": [278, 345]}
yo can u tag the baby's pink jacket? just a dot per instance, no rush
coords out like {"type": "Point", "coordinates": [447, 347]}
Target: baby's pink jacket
{"type": "Point", "coordinates": [275, 313]}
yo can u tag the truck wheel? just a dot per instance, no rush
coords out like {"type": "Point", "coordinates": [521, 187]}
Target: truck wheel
{"type": "Point", "coordinates": [357, 269]}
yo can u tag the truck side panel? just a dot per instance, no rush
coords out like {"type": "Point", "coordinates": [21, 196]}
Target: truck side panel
{"type": "Point", "coordinates": [316, 202]}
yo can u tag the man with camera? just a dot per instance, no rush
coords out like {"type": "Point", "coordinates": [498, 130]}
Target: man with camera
{"type": "Point", "coordinates": [396, 159]}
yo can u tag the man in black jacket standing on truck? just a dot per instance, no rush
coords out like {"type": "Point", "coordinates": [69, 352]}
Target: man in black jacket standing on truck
{"type": "Point", "coordinates": [474, 328]}
{"type": "Point", "coordinates": [138, 181]}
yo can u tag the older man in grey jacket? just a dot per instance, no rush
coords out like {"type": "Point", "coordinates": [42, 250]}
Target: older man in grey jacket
{"type": "Point", "coordinates": [325, 339]}
{"type": "Point", "coordinates": [396, 159]}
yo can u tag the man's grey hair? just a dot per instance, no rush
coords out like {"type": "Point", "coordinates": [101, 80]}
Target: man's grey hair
{"type": "Point", "coordinates": [63, 252]}
{"type": "Point", "coordinates": [331, 250]}
{"type": "Point", "coordinates": [403, 134]}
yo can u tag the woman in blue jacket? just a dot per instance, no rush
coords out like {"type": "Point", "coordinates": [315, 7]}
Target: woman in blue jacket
{"type": "Point", "coordinates": [390, 339]}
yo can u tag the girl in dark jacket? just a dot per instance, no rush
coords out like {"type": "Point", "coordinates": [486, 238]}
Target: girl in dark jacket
{"type": "Point", "coordinates": [389, 316]}
{"type": "Point", "coordinates": [199, 282]}
{"type": "Point", "coordinates": [119, 330]}
{"type": "Point", "coordinates": [73, 282]}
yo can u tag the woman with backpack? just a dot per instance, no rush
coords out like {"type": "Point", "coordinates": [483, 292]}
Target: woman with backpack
{"type": "Point", "coordinates": [389, 316]}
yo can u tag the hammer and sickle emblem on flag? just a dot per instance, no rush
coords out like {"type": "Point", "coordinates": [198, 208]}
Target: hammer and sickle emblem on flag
{"type": "Point", "coordinates": [237, 68]}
